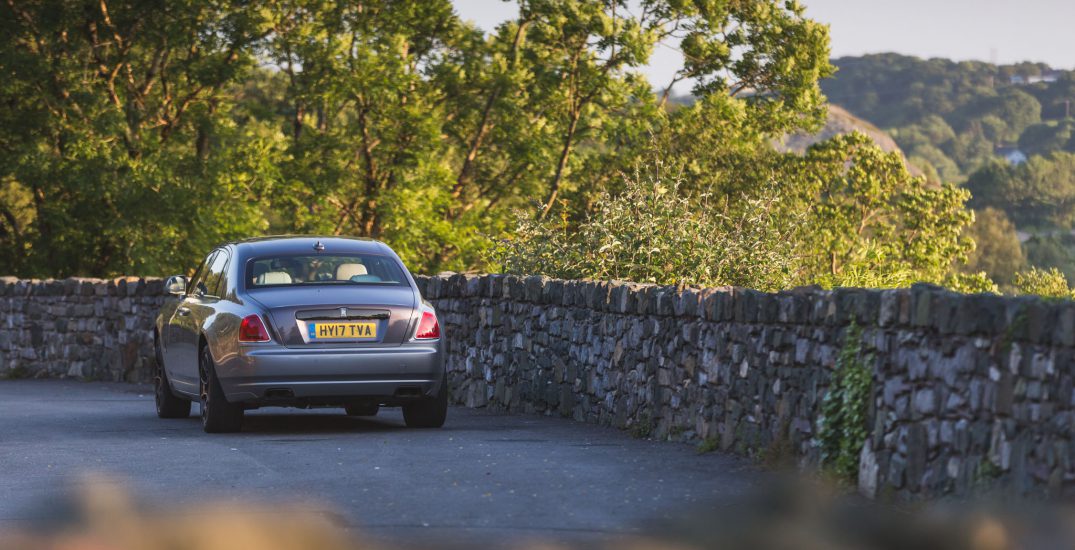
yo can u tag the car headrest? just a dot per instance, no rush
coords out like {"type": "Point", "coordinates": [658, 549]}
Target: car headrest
{"type": "Point", "coordinates": [274, 278]}
{"type": "Point", "coordinates": [344, 272]}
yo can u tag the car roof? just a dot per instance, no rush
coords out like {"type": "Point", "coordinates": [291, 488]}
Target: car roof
{"type": "Point", "coordinates": [303, 244]}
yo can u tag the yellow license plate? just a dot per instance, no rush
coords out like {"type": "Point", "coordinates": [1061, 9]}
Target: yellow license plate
{"type": "Point", "coordinates": [343, 331]}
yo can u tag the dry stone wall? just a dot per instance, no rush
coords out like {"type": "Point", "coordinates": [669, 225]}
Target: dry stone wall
{"type": "Point", "coordinates": [91, 329]}
{"type": "Point", "coordinates": [967, 391]}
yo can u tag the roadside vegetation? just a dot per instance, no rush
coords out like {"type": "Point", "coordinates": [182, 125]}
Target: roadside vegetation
{"type": "Point", "coordinates": [845, 214]}
{"type": "Point", "coordinates": [129, 148]}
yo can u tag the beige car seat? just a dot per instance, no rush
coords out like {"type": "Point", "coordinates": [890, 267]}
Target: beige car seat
{"type": "Point", "coordinates": [344, 272]}
{"type": "Point", "coordinates": [274, 278]}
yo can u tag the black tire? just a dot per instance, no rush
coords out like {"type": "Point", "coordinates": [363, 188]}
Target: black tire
{"type": "Point", "coordinates": [428, 413]}
{"type": "Point", "coordinates": [218, 416]}
{"type": "Point", "coordinates": [366, 409]}
{"type": "Point", "coordinates": [168, 405]}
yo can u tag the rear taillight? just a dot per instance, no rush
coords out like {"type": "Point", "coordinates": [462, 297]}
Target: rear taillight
{"type": "Point", "coordinates": [253, 330]}
{"type": "Point", "coordinates": [428, 327]}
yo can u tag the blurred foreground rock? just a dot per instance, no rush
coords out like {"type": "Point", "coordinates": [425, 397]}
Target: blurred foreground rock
{"type": "Point", "coordinates": [789, 515]}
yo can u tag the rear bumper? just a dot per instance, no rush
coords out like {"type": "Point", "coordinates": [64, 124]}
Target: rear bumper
{"type": "Point", "coordinates": [324, 375]}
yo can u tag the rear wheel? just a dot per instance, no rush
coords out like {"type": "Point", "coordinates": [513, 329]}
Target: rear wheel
{"type": "Point", "coordinates": [365, 409]}
{"type": "Point", "coordinates": [428, 413]}
{"type": "Point", "coordinates": [168, 405]}
{"type": "Point", "coordinates": [218, 416]}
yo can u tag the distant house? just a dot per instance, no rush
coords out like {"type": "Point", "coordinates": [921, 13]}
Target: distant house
{"type": "Point", "coordinates": [1011, 154]}
{"type": "Point", "coordinates": [1047, 76]}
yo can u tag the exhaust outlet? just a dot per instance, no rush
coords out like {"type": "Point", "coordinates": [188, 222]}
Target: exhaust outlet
{"type": "Point", "coordinates": [409, 391]}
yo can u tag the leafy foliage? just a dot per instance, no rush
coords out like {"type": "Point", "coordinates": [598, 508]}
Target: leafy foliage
{"type": "Point", "coordinates": [971, 283]}
{"type": "Point", "coordinates": [997, 250]}
{"type": "Point", "coordinates": [108, 116]}
{"type": "Point", "coordinates": [1052, 249]}
{"type": "Point", "coordinates": [1047, 283]}
{"type": "Point", "coordinates": [1037, 193]}
{"type": "Point", "coordinates": [866, 213]}
{"type": "Point", "coordinates": [845, 214]}
{"type": "Point", "coordinates": [951, 120]}
{"type": "Point", "coordinates": [130, 145]}
{"type": "Point", "coordinates": [655, 232]}
{"type": "Point", "coordinates": [843, 424]}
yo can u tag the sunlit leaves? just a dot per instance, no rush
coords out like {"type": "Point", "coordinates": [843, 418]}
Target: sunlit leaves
{"type": "Point", "coordinates": [845, 214]}
{"type": "Point", "coordinates": [141, 144]}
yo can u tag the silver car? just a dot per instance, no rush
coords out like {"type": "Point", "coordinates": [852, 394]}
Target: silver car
{"type": "Point", "coordinates": [299, 322]}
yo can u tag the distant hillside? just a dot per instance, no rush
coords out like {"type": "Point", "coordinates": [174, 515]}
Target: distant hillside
{"type": "Point", "coordinates": [1006, 132]}
{"type": "Point", "coordinates": [951, 117]}
{"type": "Point", "coordinates": [839, 122]}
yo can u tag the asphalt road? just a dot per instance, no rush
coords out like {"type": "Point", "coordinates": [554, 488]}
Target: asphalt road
{"type": "Point", "coordinates": [484, 478]}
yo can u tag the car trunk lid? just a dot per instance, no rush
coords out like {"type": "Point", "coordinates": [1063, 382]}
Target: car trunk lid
{"type": "Point", "coordinates": [294, 313]}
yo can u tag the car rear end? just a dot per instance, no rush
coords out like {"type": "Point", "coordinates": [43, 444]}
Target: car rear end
{"type": "Point", "coordinates": [331, 323]}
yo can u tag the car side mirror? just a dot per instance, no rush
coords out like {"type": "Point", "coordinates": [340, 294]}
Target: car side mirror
{"type": "Point", "coordinates": [176, 285]}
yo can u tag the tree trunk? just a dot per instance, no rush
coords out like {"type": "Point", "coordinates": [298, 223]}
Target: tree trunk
{"type": "Point", "coordinates": [484, 125]}
{"type": "Point", "coordinates": [296, 123]}
{"type": "Point", "coordinates": [565, 154]}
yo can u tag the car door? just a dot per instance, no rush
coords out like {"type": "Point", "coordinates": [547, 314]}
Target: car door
{"type": "Point", "coordinates": [172, 335]}
{"type": "Point", "coordinates": [182, 359]}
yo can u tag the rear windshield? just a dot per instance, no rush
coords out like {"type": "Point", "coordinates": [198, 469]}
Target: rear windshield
{"type": "Point", "coordinates": [323, 269]}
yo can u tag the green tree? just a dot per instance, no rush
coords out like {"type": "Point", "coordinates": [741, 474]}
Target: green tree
{"type": "Point", "coordinates": [1037, 193]}
{"type": "Point", "coordinates": [997, 251]}
{"type": "Point", "coordinates": [467, 127]}
{"type": "Point", "coordinates": [141, 144]}
{"type": "Point", "coordinates": [868, 214]}
{"type": "Point", "coordinates": [1048, 137]}
{"type": "Point", "coordinates": [928, 157]}
{"type": "Point", "coordinates": [1001, 117]}
{"type": "Point", "coordinates": [109, 123]}
{"type": "Point", "coordinates": [1052, 251]}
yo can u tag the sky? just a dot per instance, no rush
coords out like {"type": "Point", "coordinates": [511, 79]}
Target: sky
{"type": "Point", "coordinates": [1003, 31]}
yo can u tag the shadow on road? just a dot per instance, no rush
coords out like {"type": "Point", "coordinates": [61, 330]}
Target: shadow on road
{"type": "Point", "coordinates": [304, 424]}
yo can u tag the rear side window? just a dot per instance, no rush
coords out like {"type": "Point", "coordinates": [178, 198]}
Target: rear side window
{"type": "Point", "coordinates": [323, 269]}
{"type": "Point", "coordinates": [196, 286]}
{"type": "Point", "coordinates": [216, 278]}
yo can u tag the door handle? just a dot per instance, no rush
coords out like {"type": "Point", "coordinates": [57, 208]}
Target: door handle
{"type": "Point", "coordinates": [183, 311]}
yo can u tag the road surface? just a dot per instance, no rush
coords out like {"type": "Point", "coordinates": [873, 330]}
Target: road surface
{"type": "Point", "coordinates": [484, 478]}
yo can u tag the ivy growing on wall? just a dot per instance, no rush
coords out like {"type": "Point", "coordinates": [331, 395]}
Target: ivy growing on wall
{"type": "Point", "coordinates": [843, 425]}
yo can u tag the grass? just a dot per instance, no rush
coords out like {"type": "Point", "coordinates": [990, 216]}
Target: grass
{"type": "Point", "coordinates": [643, 428]}
{"type": "Point", "coordinates": [17, 372]}
{"type": "Point", "coordinates": [707, 445]}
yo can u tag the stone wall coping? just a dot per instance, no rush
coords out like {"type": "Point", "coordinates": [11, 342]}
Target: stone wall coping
{"type": "Point", "coordinates": [923, 306]}
{"type": "Point", "coordinates": [85, 286]}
